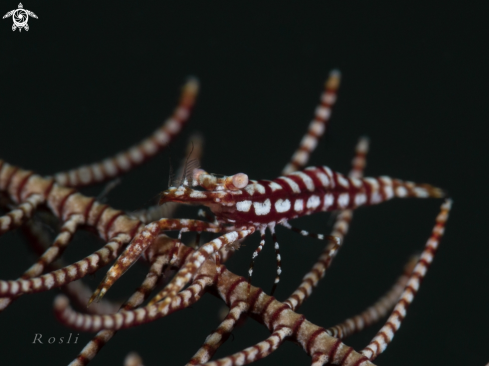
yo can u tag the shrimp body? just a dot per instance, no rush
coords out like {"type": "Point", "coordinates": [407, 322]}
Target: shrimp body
{"type": "Point", "coordinates": [314, 189]}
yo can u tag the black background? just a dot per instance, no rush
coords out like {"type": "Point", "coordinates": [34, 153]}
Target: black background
{"type": "Point", "coordinates": [91, 78]}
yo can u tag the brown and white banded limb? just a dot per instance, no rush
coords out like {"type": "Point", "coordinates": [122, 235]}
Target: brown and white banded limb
{"type": "Point", "coordinates": [276, 315]}
{"type": "Point", "coordinates": [138, 154]}
{"type": "Point", "coordinates": [256, 253]}
{"type": "Point", "coordinates": [340, 229]}
{"type": "Point", "coordinates": [20, 214]}
{"type": "Point", "coordinates": [375, 312]}
{"type": "Point", "coordinates": [278, 258]}
{"type": "Point", "coordinates": [78, 292]}
{"type": "Point", "coordinates": [220, 335]}
{"type": "Point", "coordinates": [386, 333]}
{"type": "Point", "coordinates": [318, 125]}
{"type": "Point", "coordinates": [65, 275]}
{"type": "Point", "coordinates": [256, 352]}
{"type": "Point", "coordinates": [141, 242]}
{"type": "Point", "coordinates": [62, 240]}
{"type": "Point", "coordinates": [53, 252]}
{"type": "Point", "coordinates": [311, 235]}
{"type": "Point", "coordinates": [130, 318]}
{"type": "Point", "coordinates": [198, 258]}
{"type": "Point", "coordinates": [159, 259]}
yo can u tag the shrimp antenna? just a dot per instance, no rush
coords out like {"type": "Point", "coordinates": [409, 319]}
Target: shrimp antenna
{"type": "Point", "coordinates": [171, 176]}
{"type": "Point", "coordinates": [183, 179]}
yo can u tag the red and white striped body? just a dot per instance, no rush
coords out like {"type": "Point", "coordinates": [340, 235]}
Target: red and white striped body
{"type": "Point", "coordinates": [314, 189]}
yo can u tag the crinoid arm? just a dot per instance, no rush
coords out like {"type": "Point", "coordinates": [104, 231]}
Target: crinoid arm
{"type": "Point", "coordinates": [20, 214]}
{"type": "Point", "coordinates": [340, 229]}
{"type": "Point", "coordinates": [385, 335]}
{"type": "Point", "coordinates": [318, 125]}
{"type": "Point", "coordinates": [125, 161]}
{"type": "Point", "coordinates": [160, 257]}
{"type": "Point", "coordinates": [220, 335]}
{"type": "Point", "coordinates": [199, 269]}
{"type": "Point", "coordinates": [377, 311]}
{"type": "Point", "coordinates": [141, 242]}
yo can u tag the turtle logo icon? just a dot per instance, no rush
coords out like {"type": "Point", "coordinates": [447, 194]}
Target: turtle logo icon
{"type": "Point", "coordinates": [20, 17]}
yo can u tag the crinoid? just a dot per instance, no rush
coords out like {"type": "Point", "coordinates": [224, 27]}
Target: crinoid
{"type": "Point", "coordinates": [200, 268]}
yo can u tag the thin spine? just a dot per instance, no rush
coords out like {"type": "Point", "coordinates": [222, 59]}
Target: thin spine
{"type": "Point", "coordinates": [220, 335]}
{"type": "Point", "coordinates": [140, 243]}
{"type": "Point", "coordinates": [138, 154]}
{"type": "Point", "coordinates": [340, 229]}
{"type": "Point", "coordinates": [103, 336]}
{"type": "Point", "coordinates": [375, 312]}
{"type": "Point", "coordinates": [386, 333]}
{"type": "Point", "coordinates": [318, 125]}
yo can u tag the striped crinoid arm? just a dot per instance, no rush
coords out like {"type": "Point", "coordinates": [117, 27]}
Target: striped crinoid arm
{"type": "Point", "coordinates": [386, 333]}
{"type": "Point", "coordinates": [65, 203]}
{"type": "Point", "coordinates": [20, 214]}
{"type": "Point", "coordinates": [174, 301]}
{"type": "Point", "coordinates": [275, 316]}
{"type": "Point", "coordinates": [256, 352]}
{"type": "Point", "coordinates": [318, 125]}
{"type": "Point", "coordinates": [49, 255]}
{"type": "Point", "coordinates": [375, 312]}
{"type": "Point", "coordinates": [340, 229]}
{"type": "Point", "coordinates": [188, 270]}
{"type": "Point", "coordinates": [160, 257]}
{"type": "Point", "coordinates": [141, 242]}
{"type": "Point", "coordinates": [38, 239]}
{"type": "Point", "coordinates": [138, 154]}
{"type": "Point", "coordinates": [220, 335]}
{"type": "Point", "coordinates": [13, 182]}
{"type": "Point", "coordinates": [65, 275]}
{"type": "Point", "coordinates": [55, 250]}
{"type": "Point", "coordinates": [232, 289]}
{"type": "Point", "coordinates": [130, 318]}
